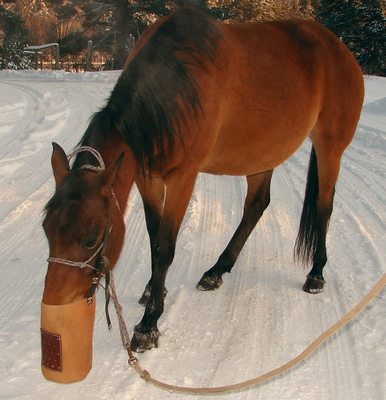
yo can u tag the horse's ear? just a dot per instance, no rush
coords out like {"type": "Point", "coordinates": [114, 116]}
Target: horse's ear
{"type": "Point", "coordinates": [59, 163]}
{"type": "Point", "coordinates": [110, 173]}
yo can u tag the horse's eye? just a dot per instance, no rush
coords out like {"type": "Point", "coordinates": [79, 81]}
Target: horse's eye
{"type": "Point", "coordinates": [90, 244]}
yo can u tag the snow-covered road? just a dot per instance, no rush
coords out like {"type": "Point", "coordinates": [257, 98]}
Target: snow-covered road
{"type": "Point", "coordinates": [258, 320]}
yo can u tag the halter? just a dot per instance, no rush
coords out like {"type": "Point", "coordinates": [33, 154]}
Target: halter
{"type": "Point", "coordinates": [94, 152]}
{"type": "Point", "coordinates": [102, 261]}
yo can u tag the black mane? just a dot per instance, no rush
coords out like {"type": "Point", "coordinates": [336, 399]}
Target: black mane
{"type": "Point", "coordinates": [156, 90]}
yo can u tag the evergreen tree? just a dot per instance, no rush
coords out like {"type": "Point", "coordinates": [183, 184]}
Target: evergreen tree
{"type": "Point", "coordinates": [12, 55]}
{"type": "Point", "coordinates": [361, 25]}
{"type": "Point", "coordinates": [340, 17]}
{"type": "Point", "coordinates": [371, 49]}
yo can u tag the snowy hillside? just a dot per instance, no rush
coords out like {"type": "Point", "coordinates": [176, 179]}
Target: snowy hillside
{"type": "Point", "coordinates": [258, 320]}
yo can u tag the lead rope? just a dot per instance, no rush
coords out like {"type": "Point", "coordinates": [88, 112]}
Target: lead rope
{"type": "Point", "coordinates": [122, 324]}
{"type": "Point", "coordinates": [252, 382]}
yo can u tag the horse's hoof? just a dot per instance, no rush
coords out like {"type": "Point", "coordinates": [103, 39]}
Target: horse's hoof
{"type": "Point", "coordinates": [314, 284]}
{"type": "Point", "coordinates": [146, 294]}
{"type": "Point", "coordinates": [211, 282]}
{"type": "Point", "coordinates": [141, 342]}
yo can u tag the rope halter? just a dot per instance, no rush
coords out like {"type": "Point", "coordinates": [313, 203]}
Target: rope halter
{"type": "Point", "coordinates": [79, 264]}
{"type": "Point", "coordinates": [94, 152]}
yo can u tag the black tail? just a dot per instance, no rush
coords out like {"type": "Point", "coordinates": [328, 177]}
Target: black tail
{"type": "Point", "coordinates": [307, 239]}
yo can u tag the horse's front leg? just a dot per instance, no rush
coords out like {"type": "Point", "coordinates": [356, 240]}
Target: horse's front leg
{"type": "Point", "coordinates": [153, 196]}
{"type": "Point", "coordinates": [146, 333]}
{"type": "Point", "coordinates": [179, 186]}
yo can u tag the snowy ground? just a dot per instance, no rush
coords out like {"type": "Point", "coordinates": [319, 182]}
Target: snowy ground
{"type": "Point", "coordinates": [258, 320]}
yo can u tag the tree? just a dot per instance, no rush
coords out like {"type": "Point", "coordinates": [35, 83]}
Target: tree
{"type": "Point", "coordinates": [361, 25]}
{"type": "Point", "coordinates": [111, 23]}
{"type": "Point", "coordinates": [39, 19]}
{"type": "Point", "coordinates": [12, 55]}
{"type": "Point", "coordinates": [270, 10]}
{"type": "Point", "coordinates": [371, 49]}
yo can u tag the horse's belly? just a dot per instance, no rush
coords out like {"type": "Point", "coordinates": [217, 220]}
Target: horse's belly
{"type": "Point", "coordinates": [251, 152]}
{"type": "Point", "coordinates": [240, 164]}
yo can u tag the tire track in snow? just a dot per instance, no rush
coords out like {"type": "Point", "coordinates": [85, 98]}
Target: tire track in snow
{"type": "Point", "coordinates": [27, 184]}
{"type": "Point", "coordinates": [15, 117]}
{"type": "Point", "coordinates": [29, 148]}
{"type": "Point", "coordinates": [271, 349]}
{"type": "Point", "coordinates": [19, 199]}
{"type": "Point", "coordinates": [257, 320]}
{"type": "Point", "coordinates": [206, 217]}
{"type": "Point", "coordinates": [225, 307]}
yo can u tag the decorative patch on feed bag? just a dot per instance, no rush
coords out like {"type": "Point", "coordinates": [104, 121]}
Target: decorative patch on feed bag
{"type": "Point", "coordinates": [51, 351]}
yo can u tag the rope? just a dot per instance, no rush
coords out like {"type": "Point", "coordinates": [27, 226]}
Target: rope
{"type": "Point", "coordinates": [122, 325]}
{"type": "Point", "coordinates": [101, 168]}
{"type": "Point", "coordinates": [262, 378]}
{"type": "Point", "coordinates": [79, 264]}
{"type": "Point", "coordinates": [95, 153]}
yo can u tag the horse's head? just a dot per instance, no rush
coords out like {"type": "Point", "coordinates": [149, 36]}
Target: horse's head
{"type": "Point", "coordinates": [77, 217]}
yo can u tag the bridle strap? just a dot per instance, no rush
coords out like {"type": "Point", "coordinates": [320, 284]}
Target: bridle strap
{"type": "Point", "coordinates": [94, 152]}
{"type": "Point", "coordinates": [79, 264]}
{"type": "Point", "coordinates": [102, 262]}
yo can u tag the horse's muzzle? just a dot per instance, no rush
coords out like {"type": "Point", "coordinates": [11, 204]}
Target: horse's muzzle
{"type": "Point", "coordinates": [67, 335]}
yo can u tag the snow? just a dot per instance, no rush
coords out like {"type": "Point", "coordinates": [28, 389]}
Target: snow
{"type": "Point", "coordinates": [258, 320]}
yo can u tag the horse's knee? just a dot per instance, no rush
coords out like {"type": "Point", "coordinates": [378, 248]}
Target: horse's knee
{"type": "Point", "coordinates": [164, 253]}
{"type": "Point", "coordinates": [146, 295]}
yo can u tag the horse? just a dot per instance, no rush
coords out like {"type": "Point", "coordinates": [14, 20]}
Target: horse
{"type": "Point", "coordinates": [197, 96]}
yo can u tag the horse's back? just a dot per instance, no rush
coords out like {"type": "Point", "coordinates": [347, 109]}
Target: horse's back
{"type": "Point", "coordinates": [296, 48]}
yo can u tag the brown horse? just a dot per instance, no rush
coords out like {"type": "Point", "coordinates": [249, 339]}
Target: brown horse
{"type": "Point", "coordinates": [197, 96]}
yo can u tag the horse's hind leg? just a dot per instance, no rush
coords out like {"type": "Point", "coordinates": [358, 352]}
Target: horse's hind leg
{"type": "Point", "coordinates": [257, 200]}
{"type": "Point", "coordinates": [317, 209]}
